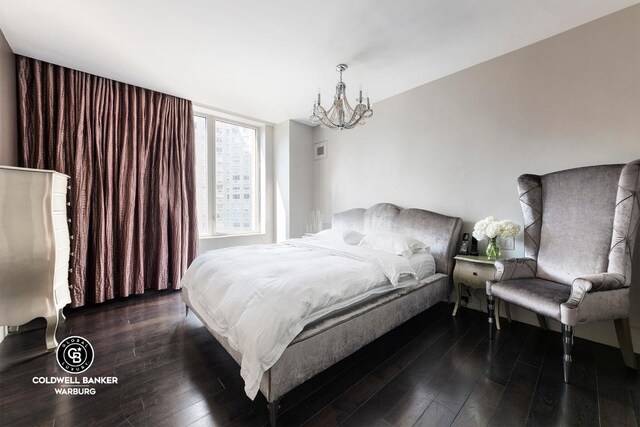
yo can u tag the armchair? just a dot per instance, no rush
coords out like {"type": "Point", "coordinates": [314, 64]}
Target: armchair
{"type": "Point", "coordinates": [579, 237]}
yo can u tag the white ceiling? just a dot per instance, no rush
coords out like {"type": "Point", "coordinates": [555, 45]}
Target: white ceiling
{"type": "Point", "coordinates": [267, 58]}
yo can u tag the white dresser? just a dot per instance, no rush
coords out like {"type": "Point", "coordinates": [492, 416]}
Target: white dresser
{"type": "Point", "coordinates": [34, 247]}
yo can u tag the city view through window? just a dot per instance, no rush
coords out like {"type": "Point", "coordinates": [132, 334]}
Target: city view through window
{"type": "Point", "coordinates": [230, 204]}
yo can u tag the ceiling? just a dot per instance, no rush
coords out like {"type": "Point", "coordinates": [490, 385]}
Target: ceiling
{"type": "Point", "coordinates": [267, 59]}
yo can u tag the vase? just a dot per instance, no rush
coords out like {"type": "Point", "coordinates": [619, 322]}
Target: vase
{"type": "Point", "coordinates": [493, 251]}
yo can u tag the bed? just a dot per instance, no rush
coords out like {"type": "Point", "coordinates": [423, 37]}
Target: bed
{"type": "Point", "coordinates": [299, 350]}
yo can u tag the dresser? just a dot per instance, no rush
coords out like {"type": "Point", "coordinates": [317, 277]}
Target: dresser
{"type": "Point", "coordinates": [473, 272]}
{"type": "Point", "coordinates": [34, 247]}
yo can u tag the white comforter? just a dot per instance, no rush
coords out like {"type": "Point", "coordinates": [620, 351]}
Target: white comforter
{"type": "Point", "coordinates": [260, 297]}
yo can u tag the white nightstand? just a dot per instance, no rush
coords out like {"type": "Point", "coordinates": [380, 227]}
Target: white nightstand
{"type": "Point", "coordinates": [473, 272]}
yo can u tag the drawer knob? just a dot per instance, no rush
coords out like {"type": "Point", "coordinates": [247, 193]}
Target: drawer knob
{"type": "Point", "coordinates": [68, 203]}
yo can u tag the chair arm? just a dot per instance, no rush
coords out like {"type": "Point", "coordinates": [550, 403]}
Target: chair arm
{"type": "Point", "coordinates": [515, 268]}
{"type": "Point", "coordinates": [593, 283]}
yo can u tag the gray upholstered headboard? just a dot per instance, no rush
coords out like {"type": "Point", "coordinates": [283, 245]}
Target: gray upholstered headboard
{"type": "Point", "coordinates": [440, 232]}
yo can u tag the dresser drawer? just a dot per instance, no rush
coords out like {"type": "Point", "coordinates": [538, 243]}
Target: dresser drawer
{"type": "Point", "coordinates": [61, 276]}
{"type": "Point", "coordinates": [63, 295]}
{"type": "Point", "coordinates": [475, 274]}
{"type": "Point", "coordinates": [62, 257]}
{"type": "Point", "coordinates": [59, 202]}
{"type": "Point", "coordinates": [60, 221]}
{"type": "Point", "coordinates": [62, 239]}
{"type": "Point", "coordinates": [60, 184]}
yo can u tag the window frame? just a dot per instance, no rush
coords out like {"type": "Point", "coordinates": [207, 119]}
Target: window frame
{"type": "Point", "coordinates": [210, 122]}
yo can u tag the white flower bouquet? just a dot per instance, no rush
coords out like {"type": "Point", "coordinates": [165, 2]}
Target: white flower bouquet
{"type": "Point", "coordinates": [490, 229]}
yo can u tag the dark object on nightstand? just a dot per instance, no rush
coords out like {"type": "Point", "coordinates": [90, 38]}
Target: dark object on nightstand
{"type": "Point", "coordinates": [474, 247]}
{"type": "Point", "coordinates": [464, 247]}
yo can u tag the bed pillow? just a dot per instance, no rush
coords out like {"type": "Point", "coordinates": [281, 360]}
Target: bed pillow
{"type": "Point", "coordinates": [394, 243]}
{"type": "Point", "coordinates": [423, 263]}
{"type": "Point", "coordinates": [350, 237]}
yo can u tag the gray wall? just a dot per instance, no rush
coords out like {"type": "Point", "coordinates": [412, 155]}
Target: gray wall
{"type": "Point", "coordinates": [8, 109]}
{"type": "Point", "coordinates": [458, 144]}
{"type": "Point", "coordinates": [294, 178]}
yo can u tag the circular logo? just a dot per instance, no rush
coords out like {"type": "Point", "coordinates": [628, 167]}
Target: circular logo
{"type": "Point", "coordinates": [74, 355]}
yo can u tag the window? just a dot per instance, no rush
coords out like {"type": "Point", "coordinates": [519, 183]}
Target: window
{"type": "Point", "coordinates": [227, 176]}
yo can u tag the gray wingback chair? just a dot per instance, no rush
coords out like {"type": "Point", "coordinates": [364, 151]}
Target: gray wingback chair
{"type": "Point", "coordinates": [579, 236]}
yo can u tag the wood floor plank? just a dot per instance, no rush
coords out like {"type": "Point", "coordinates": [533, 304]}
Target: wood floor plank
{"type": "Point", "coordinates": [513, 408]}
{"type": "Point", "coordinates": [433, 370]}
{"type": "Point", "coordinates": [615, 400]}
{"type": "Point", "coordinates": [436, 415]}
{"type": "Point", "coordinates": [481, 404]}
{"type": "Point", "coordinates": [555, 401]}
{"type": "Point", "coordinates": [347, 402]}
{"type": "Point", "coordinates": [406, 388]}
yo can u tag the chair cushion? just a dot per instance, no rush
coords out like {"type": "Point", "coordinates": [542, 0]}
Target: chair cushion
{"type": "Point", "coordinates": [540, 296]}
{"type": "Point", "coordinates": [578, 207]}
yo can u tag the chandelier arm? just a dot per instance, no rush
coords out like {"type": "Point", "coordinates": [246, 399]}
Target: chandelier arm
{"type": "Point", "coordinates": [352, 123]}
{"type": "Point", "coordinates": [358, 114]}
{"type": "Point", "coordinates": [325, 118]}
{"type": "Point", "coordinates": [328, 123]}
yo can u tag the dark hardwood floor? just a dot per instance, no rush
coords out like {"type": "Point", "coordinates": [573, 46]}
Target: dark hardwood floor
{"type": "Point", "coordinates": [434, 370]}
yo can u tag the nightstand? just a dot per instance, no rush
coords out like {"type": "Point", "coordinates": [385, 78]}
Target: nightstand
{"type": "Point", "coordinates": [473, 272]}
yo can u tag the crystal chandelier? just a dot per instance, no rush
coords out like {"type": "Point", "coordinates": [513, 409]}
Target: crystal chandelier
{"type": "Point", "coordinates": [341, 115]}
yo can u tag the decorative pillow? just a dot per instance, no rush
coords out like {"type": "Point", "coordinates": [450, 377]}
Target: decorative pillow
{"type": "Point", "coordinates": [394, 243]}
{"type": "Point", "coordinates": [423, 263]}
{"type": "Point", "coordinates": [350, 237]}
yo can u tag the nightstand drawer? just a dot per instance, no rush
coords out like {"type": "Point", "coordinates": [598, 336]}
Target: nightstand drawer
{"type": "Point", "coordinates": [475, 274]}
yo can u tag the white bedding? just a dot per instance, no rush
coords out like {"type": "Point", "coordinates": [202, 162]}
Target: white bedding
{"type": "Point", "coordinates": [260, 297]}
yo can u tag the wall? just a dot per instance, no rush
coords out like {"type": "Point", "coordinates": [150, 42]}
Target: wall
{"type": "Point", "coordinates": [301, 177]}
{"type": "Point", "coordinates": [294, 178]}
{"type": "Point", "coordinates": [8, 107]}
{"type": "Point", "coordinates": [281, 165]}
{"type": "Point", "coordinates": [457, 145]}
{"type": "Point", "coordinates": [8, 114]}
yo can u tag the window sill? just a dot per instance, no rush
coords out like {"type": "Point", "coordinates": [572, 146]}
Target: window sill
{"type": "Point", "coordinates": [227, 236]}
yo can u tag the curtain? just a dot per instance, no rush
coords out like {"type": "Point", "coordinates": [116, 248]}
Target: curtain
{"type": "Point", "coordinates": [130, 154]}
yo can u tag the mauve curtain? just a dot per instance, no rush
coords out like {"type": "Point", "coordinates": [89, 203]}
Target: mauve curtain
{"type": "Point", "coordinates": [130, 154]}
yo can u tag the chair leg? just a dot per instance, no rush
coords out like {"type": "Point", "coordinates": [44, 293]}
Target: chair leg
{"type": "Point", "coordinates": [186, 310]}
{"type": "Point", "coordinates": [567, 345]}
{"type": "Point", "coordinates": [623, 332]}
{"type": "Point", "coordinates": [507, 308]}
{"type": "Point", "coordinates": [542, 321]}
{"type": "Point", "coordinates": [273, 411]}
{"type": "Point", "coordinates": [490, 301]}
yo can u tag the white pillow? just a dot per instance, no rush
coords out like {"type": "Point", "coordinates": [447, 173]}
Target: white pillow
{"type": "Point", "coordinates": [423, 263]}
{"type": "Point", "coordinates": [350, 237]}
{"type": "Point", "coordinates": [394, 243]}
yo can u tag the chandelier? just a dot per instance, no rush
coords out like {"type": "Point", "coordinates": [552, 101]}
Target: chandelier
{"type": "Point", "coordinates": [341, 115]}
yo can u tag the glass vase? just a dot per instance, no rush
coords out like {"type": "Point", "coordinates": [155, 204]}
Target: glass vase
{"type": "Point", "coordinates": [493, 251]}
